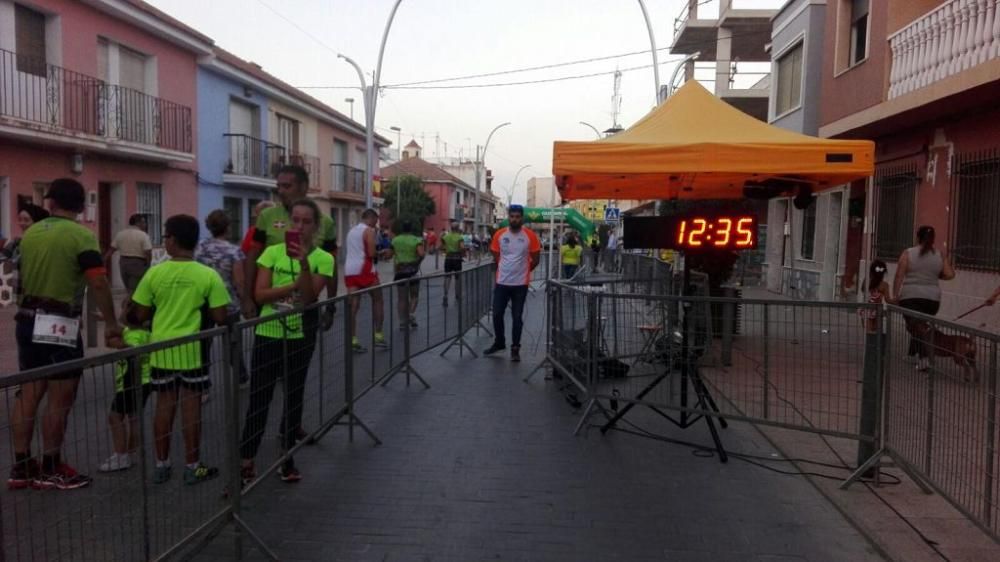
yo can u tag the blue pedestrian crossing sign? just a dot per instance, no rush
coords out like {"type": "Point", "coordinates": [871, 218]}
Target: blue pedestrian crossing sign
{"type": "Point", "coordinates": [612, 214]}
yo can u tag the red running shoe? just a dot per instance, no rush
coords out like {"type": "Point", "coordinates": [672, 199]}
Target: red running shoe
{"type": "Point", "coordinates": [22, 474]}
{"type": "Point", "coordinates": [64, 477]}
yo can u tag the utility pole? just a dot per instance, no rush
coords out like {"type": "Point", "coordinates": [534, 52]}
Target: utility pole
{"type": "Point", "coordinates": [480, 157]}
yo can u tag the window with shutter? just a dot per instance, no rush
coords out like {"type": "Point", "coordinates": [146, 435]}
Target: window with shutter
{"type": "Point", "coordinates": [789, 86]}
{"type": "Point", "coordinates": [29, 30]}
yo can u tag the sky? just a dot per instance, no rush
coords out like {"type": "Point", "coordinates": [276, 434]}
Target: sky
{"type": "Point", "coordinates": [298, 40]}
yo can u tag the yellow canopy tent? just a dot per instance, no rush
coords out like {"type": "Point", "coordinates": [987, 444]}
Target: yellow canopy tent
{"type": "Point", "coordinates": [695, 146]}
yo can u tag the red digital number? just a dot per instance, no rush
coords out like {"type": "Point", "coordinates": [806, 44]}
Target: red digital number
{"type": "Point", "coordinates": [700, 226]}
{"type": "Point", "coordinates": [680, 235]}
{"type": "Point", "coordinates": [724, 227]}
{"type": "Point", "coordinates": [743, 228]}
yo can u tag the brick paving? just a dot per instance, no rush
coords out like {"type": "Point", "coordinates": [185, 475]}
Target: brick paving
{"type": "Point", "coordinates": [485, 467]}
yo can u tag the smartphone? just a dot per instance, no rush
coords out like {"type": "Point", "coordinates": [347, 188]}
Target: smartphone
{"type": "Point", "coordinates": [293, 237]}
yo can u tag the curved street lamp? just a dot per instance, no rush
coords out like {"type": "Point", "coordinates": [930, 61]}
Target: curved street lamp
{"type": "Point", "coordinates": [480, 158]}
{"type": "Point", "coordinates": [596, 132]}
{"type": "Point", "coordinates": [510, 193]}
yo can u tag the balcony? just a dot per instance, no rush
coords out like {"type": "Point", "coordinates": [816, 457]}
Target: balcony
{"type": "Point", "coordinates": [348, 181]}
{"type": "Point", "coordinates": [45, 103]}
{"type": "Point", "coordinates": [251, 160]}
{"type": "Point", "coordinates": [309, 162]}
{"type": "Point", "coordinates": [746, 30]}
{"type": "Point", "coordinates": [956, 36]}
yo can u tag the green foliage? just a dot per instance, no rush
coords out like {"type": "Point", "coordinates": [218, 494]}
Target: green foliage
{"type": "Point", "coordinates": [414, 203]}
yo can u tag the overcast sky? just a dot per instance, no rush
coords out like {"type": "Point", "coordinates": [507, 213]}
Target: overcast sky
{"type": "Point", "coordinates": [297, 40]}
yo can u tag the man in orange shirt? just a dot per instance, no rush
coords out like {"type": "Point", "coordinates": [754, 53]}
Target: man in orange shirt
{"type": "Point", "coordinates": [517, 252]}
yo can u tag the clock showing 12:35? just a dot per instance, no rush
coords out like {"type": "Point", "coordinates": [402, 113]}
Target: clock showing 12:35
{"type": "Point", "coordinates": [716, 232]}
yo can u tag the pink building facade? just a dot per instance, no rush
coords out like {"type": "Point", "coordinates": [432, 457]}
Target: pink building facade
{"type": "Point", "coordinates": [104, 92]}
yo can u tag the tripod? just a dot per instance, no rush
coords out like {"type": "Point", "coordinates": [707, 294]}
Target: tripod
{"type": "Point", "coordinates": [689, 374]}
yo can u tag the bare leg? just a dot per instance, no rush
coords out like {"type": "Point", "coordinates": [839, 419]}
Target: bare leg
{"type": "Point", "coordinates": [402, 306]}
{"type": "Point", "coordinates": [133, 433]}
{"type": "Point", "coordinates": [116, 424]}
{"type": "Point", "coordinates": [378, 314]}
{"type": "Point", "coordinates": [355, 305]}
{"type": "Point", "coordinates": [191, 420]}
{"type": "Point", "coordinates": [22, 418]}
{"type": "Point", "coordinates": [163, 421]}
{"type": "Point", "coordinates": [414, 295]}
{"type": "Point", "coordinates": [62, 394]}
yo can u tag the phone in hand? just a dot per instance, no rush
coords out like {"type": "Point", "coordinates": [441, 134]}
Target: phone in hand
{"type": "Point", "coordinates": [293, 238]}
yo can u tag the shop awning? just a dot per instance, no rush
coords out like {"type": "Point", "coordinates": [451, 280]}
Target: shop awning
{"type": "Point", "coordinates": [696, 146]}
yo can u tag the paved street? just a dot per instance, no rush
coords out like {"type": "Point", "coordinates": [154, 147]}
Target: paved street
{"type": "Point", "coordinates": [485, 467]}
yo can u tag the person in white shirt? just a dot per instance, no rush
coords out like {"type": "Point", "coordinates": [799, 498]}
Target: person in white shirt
{"type": "Point", "coordinates": [517, 252]}
{"type": "Point", "coordinates": [360, 274]}
{"type": "Point", "coordinates": [135, 251]}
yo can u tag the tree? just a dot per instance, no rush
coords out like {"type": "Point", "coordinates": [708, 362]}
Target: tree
{"type": "Point", "coordinates": [414, 204]}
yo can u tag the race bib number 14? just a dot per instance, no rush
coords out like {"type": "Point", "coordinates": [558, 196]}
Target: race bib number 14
{"type": "Point", "coordinates": [56, 330]}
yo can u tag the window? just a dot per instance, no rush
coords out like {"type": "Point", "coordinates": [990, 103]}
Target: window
{"type": "Point", "coordinates": [807, 249]}
{"type": "Point", "coordinates": [975, 212]}
{"type": "Point", "coordinates": [29, 31]}
{"type": "Point", "coordinates": [233, 207]}
{"type": "Point", "coordinates": [288, 134]}
{"type": "Point", "coordinates": [859, 31]}
{"type": "Point", "coordinates": [895, 197]}
{"type": "Point", "coordinates": [151, 204]}
{"type": "Point", "coordinates": [789, 87]}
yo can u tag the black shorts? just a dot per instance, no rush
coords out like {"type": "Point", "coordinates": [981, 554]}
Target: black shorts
{"type": "Point", "coordinates": [452, 265]}
{"type": "Point", "coordinates": [169, 379]}
{"type": "Point", "coordinates": [31, 355]}
{"type": "Point", "coordinates": [406, 272]}
{"type": "Point", "coordinates": [124, 401]}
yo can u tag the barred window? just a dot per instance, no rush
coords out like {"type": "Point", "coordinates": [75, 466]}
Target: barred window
{"type": "Point", "coordinates": [150, 204]}
{"type": "Point", "coordinates": [975, 211]}
{"type": "Point", "coordinates": [895, 203]}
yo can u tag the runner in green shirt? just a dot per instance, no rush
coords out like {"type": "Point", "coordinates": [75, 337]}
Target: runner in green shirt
{"type": "Point", "coordinates": [407, 252]}
{"type": "Point", "coordinates": [132, 380]}
{"type": "Point", "coordinates": [453, 245]}
{"type": "Point", "coordinates": [178, 290]}
{"type": "Point", "coordinates": [289, 277]}
{"type": "Point", "coordinates": [59, 259]}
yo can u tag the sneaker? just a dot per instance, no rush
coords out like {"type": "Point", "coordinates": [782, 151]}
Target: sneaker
{"type": "Point", "coordinates": [380, 340]}
{"type": "Point", "coordinates": [356, 346]}
{"type": "Point", "coordinates": [65, 477]}
{"type": "Point", "coordinates": [22, 474]}
{"type": "Point", "coordinates": [115, 463]}
{"type": "Point", "coordinates": [199, 474]}
{"type": "Point", "coordinates": [494, 348]}
{"type": "Point", "coordinates": [161, 474]}
{"type": "Point", "coordinates": [289, 473]}
{"type": "Point", "coordinates": [515, 353]}
{"type": "Point", "coordinates": [248, 473]}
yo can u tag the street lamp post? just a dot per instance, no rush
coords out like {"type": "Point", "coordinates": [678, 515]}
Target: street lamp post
{"type": "Point", "coordinates": [596, 132]}
{"type": "Point", "coordinates": [399, 142]}
{"type": "Point", "coordinates": [510, 194]}
{"type": "Point", "coordinates": [368, 97]}
{"type": "Point", "coordinates": [399, 192]}
{"type": "Point", "coordinates": [652, 49]}
{"type": "Point", "coordinates": [480, 158]}
{"type": "Point", "coordinates": [351, 102]}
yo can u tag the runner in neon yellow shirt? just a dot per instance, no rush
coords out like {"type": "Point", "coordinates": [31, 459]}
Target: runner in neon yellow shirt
{"type": "Point", "coordinates": [289, 277]}
{"type": "Point", "coordinates": [407, 251]}
{"type": "Point", "coordinates": [178, 289]}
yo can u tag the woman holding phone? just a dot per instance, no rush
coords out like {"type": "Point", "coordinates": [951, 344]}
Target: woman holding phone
{"type": "Point", "coordinates": [290, 276]}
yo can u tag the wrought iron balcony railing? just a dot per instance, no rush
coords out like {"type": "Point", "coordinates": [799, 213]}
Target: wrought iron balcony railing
{"type": "Point", "coordinates": [65, 101]}
{"type": "Point", "coordinates": [347, 179]}
{"type": "Point", "coordinates": [249, 156]}
{"type": "Point", "coordinates": [309, 162]}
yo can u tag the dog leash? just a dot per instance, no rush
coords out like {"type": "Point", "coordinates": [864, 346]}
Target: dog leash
{"type": "Point", "coordinates": [971, 311]}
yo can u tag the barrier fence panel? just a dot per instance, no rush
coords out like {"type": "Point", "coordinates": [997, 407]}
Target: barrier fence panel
{"type": "Point", "coordinates": [941, 410]}
{"type": "Point", "coordinates": [267, 393]}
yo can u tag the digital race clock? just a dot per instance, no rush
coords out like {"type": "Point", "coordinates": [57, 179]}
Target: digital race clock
{"type": "Point", "coordinates": [701, 232]}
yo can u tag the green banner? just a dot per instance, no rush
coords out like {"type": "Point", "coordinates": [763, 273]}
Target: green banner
{"type": "Point", "coordinates": [569, 215]}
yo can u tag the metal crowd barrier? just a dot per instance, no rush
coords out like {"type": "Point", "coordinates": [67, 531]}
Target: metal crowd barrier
{"type": "Point", "coordinates": [124, 515]}
{"type": "Point", "coordinates": [818, 367]}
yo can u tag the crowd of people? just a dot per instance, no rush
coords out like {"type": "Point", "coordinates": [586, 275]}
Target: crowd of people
{"type": "Point", "coordinates": [287, 261]}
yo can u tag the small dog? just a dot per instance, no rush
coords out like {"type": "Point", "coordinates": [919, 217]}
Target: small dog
{"type": "Point", "coordinates": [961, 349]}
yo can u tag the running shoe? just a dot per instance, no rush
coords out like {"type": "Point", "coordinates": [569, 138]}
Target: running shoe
{"type": "Point", "coordinates": [515, 353]}
{"type": "Point", "coordinates": [248, 473]}
{"type": "Point", "coordinates": [380, 340]}
{"type": "Point", "coordinates": [64, 477]}
{"type": "Point", "coordinates": [161, 474]}
{"type": "Point", "coordinates": [356, 347]}
{"type": "Point", "coordinates": [115, 463]}
{"type": "Point", "coordinates": [289, 473]}
{"type": "Point", "coordinates": [494, 348]}
{"type": "Point", "coordinates": [199, 474]}
{"type": "Point", "coordinates": [22, 475]}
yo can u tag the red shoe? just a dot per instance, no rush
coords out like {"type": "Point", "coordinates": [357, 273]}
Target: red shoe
{"type": "Point", "coordinates": [22, 474]}
{"type": "Point", "coordinates": [64, 477]}
{"type": "Point", "coordinates": [289, 473]}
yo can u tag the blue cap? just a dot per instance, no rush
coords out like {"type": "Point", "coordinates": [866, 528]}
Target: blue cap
{"type": "Point", "coordinates": [515, 209]}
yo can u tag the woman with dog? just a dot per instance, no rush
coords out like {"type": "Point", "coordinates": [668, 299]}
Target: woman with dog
{"type": "Point", "coordinates": [917, 286]}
